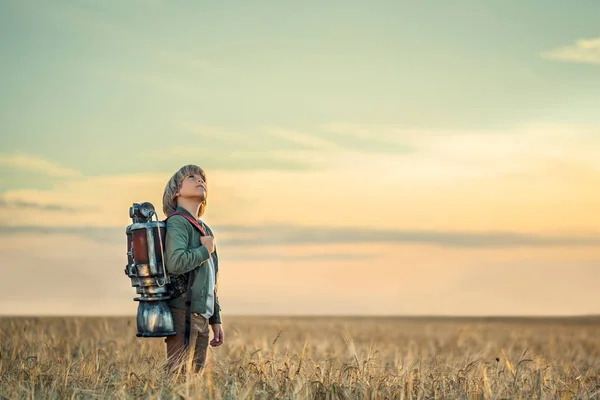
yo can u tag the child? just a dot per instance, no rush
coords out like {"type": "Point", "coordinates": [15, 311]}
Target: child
{"type": "Point", "coordinates": [189, 252]}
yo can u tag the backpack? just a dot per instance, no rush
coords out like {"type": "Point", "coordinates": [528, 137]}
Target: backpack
{"type": "Point", "coordinates": [148, 273]}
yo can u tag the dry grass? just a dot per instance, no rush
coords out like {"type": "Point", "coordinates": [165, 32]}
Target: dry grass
{"type": "Point", "coordinates": [338, 358]}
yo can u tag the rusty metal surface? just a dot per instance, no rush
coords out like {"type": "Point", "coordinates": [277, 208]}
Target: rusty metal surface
{"type": "Point", "coordinates": [147, 272]}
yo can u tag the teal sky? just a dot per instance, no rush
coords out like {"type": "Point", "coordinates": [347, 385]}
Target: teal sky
{"type": "Point", "coordinates": [449, 147]}
{"type": "Point", "coordinates": [96, 86]}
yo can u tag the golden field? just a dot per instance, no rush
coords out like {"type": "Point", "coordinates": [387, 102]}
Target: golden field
{"type": "Point", "coordinates": [305, 357]}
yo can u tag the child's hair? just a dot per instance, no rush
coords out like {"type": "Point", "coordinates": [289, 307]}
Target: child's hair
{"type": "Point", "coordinates": [173, 186]}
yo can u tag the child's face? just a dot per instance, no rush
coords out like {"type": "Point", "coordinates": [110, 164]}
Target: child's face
{"type": "Point", "coordinates": [193, 186]}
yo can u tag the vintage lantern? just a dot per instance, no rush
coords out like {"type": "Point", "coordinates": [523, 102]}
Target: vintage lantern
{"type": "Point", "coordinates": [147, 271]}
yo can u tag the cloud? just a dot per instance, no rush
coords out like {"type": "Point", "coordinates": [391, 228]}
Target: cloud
{"type": "Point", "coordinates": [336, 139]}
{"type": "Point", "coordinates": [63, 275]}
{"type": "Point", "coordinates": [583, 51]}
{"type": "Point", "coordinates": [467, 181]}
{"type": "Point", "coordinates": [264, 139]}
{"type": "Point", "coordinates": [286, 235]}
{"type": "Point", "coordinates": [221, 149]}
{"type": "Point", "coordinates": [100, 201]}
{"type": "Point", "coordinates": [272, 139]}
{"type": "Point", "coordinates": [36, 164]}
{"type": "Point", "coordinates": [454, 156]}
{"type": "Point", "coordinates": [264, 256]}
{"type": "Point", "coordinates": [6, 203]}
{"type": "Point", "coordinates": [94, 233]}
{"type": "Point", "coordinates": [236, 236]}
{"type": "Point", "coordinates": [74, 275]}
{"type": "Point", "coordinates": [236, 160]}
{"type": "Point", "coordinates": [311, 141]}
{"type": "Point", "coordinates": [395, 155]}
{"type": "Point", "coordinates": [364, 140]}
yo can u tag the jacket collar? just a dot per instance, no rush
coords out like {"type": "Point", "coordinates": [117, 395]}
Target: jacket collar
{"type": "Point", "coordinates": [184, 211]}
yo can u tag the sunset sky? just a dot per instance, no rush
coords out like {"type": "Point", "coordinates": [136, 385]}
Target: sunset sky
{"type": "Point", "coordinates": [375, 158]}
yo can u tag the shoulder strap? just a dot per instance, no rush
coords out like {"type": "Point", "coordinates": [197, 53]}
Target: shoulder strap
{"type": "Point", "coordinates": [192, 221]}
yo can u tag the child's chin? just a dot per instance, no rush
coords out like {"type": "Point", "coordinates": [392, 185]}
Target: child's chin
{"type": "Point", "coordinates": [196, 196]}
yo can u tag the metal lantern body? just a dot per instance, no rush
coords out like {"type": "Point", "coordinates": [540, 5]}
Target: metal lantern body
{"type": "Point", "coordinates": [146, 269]}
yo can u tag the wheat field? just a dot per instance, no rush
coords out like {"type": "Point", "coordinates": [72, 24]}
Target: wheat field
{"type": "Point", "coordinates": [313, 358]}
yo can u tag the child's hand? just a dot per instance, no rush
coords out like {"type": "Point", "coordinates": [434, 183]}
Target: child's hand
{"type": "Point", "coordinates": [218, 335]}
{"type": "Point", "coordinates": [208, 242]}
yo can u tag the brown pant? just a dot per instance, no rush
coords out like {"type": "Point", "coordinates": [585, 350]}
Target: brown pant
{"type": "Point", "coordinates": [177, 356]}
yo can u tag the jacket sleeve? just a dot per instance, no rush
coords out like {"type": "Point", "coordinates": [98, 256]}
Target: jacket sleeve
{"type": "Point", "coordinates": [216, 317]}
{"type": "Point", "coordinates": [178, 257]}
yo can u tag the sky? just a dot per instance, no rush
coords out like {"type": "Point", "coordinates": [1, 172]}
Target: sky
{"type": "Point", "coordinates": [381, 158]}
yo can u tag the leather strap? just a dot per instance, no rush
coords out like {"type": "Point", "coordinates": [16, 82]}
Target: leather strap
{"type": "Point", "coordinates": [192, 221]}
{"type": "Point", "coordinates": [188, 299]}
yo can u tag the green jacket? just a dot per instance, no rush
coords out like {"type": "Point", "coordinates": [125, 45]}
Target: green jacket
{"type": "Point", "coordinates": [184, 253]}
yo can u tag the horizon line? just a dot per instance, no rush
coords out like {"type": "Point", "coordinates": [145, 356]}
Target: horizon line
{"type": "Point", "coordinates": [338, 316]}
